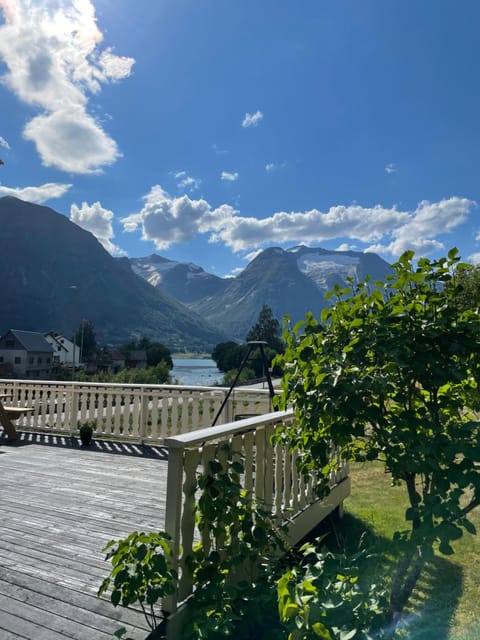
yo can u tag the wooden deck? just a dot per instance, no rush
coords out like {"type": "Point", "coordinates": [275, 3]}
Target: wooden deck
{"type": "Point", "coordinates": [59, 505]}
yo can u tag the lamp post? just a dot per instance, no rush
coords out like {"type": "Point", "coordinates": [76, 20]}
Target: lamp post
{"type": "Point", "coordinates": [74, 287]}
{"type": "Point", "coordinates": [73, 358]}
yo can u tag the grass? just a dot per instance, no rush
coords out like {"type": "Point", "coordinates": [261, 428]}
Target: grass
{"type": "Point", "coordinates": [445, 603]}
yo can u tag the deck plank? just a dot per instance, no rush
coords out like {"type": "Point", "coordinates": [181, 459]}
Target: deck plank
{"type": "Point", "coordinates": [59, 505]}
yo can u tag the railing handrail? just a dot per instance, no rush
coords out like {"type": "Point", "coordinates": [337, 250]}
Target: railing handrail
{"type": "Point", "coordinates": [209, 434]}
{"type": "Point", "coordinates": [128, 385]}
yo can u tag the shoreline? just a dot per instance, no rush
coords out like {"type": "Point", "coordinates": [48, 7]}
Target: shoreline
{"type": "Point", "coordinates": [191, 356]}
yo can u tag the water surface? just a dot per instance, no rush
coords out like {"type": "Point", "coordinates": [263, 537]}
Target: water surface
{"type": "Point", "coordinates": [201, 372]}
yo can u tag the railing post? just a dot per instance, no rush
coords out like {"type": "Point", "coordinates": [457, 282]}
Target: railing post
{"type": "Point", "coordinates": [229, 408]}
{"type": "Point", "coordinates": [173, 511]}
{"type": "Point", "coordinates": [73, 408]}
{"type": "Point", "coordinates": [143, 418]}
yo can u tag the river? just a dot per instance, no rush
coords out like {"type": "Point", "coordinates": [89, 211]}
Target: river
{"type": "Point", "coordinates": [195, 372]}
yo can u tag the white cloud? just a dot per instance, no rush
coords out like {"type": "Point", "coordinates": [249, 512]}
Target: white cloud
{"type": "Point", "coordinates": [218, 150]}
{"type": "Point", "coordinates": [184, 181]}
{"type": "Point", "coordinates": [76, 145]}
{"type": "Point", "coordinates": [230, 177]}
{"type": "Point", "coordinates": [166, 220]}
{"type": "Point", "coordinates": [252, 119]}
{"type": "Point", "coordinates": [354, 222]}
{"type": "Point", "coordinates": [39, 195]}
{"type": "Point", "coordinates": [233, 273]}
{"type": "Point", "coordinates": [474, 258]}
{"type": "Point", "coordinates": [344, 246]}
{"type": "Point", "coordinates": [4, 143]}
{"type": "Point", "coordinates": [51, 50]}
{"type": "Point", "coordinates": [274, 166]}
{"type": "Point", "coordinates": [97, 220]}
{"type": "Point", "coordinates": [391, 167]}
{"type": "Point", "coordinates": [429, 220]}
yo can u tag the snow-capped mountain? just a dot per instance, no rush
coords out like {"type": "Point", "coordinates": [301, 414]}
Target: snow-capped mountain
{"type": "Point", "coordinates": [187, 282]}
{"type": "Point", "coordinates": [291, 282]}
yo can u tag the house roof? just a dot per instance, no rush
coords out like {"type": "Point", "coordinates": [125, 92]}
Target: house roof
{"type": "Point", "coordinates": [56, 337]}
{"type": "Point", "coordinates": [32, 340]}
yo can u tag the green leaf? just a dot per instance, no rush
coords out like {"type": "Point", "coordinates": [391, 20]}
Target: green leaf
{"type": "Point", "coordinates": [321, 631]}
{"type": "Point", "coordinates": [445, 548]}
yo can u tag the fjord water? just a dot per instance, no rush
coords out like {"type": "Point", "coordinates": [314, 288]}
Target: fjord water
{"type": "Point", "coordinates": [195, 372]}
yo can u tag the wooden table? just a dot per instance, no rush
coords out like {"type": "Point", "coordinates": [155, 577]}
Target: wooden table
{"type": "Point", "coordinates": [8, 414]}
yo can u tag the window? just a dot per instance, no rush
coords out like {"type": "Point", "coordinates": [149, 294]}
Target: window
{"type": "Point", "coordinates": [18, 360]}
{"type": "Point", "coordinates": [59, 348]}
{"type": "Point", "coordinates": [30, 360]}
{"type": "Point", "coordinates": [1, 358]}
{"type": "Point", "coordinates": [48, 360]}
{"type": "Point", "coordinates": [9, 343]}
{"type": "Point", "coordinates": [39, 361]}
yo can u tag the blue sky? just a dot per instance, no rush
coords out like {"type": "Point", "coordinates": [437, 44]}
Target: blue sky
{"type": "Point", "coordinates": [206, 130]}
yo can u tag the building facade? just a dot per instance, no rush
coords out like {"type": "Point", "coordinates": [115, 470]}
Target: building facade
{"type": "Point", "coordinates": [27, 354]}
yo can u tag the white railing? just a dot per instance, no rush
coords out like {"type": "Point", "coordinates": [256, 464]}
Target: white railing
{"type": "Point", "coordinates": [270, 474]}
{"type": "Point", "coordinates": [140, 413]}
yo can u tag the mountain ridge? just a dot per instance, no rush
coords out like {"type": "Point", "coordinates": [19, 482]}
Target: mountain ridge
{"type": "Point", "coordinates": [290, 281]}
{"type": "Point", "coordinates": [55, 274]}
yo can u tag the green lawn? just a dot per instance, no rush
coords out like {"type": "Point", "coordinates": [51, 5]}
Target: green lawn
{"type": "Point", "coordinates": [446, 602]}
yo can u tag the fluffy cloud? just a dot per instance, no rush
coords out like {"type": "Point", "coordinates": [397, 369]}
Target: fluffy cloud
{"type": "Point", "coordinates": [73, 145]}
{"type": "Point", "coordinates": [252, 119]}
{"type": "Point", "coordinates": [474, 258]}
{"type": "Point", "coordinates": [51, 50]}
{"type": "Point", "coordinates": [39, 194]}
{"type": "Point", "coordinates": [344, 246]}
{"type": "Point", "coordinates": [229, 177]}
{"type": "Point", "coordinates": [97, 220]}
{"type": "Point", "coordinates": [4, 143]}
{"type": "Point", "coordinates": [186, 182]}
{"type": "Point", "coordinates": [166, 220]}
{"type": "Point", "coordinates": [429, 219]}
{"type": "Point", "coordinates": [356, 222]}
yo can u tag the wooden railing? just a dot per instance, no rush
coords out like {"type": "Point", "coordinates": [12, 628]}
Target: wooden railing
{"type": "Point", "coordinates": [140, 413]}
{"type": "Point", "coordinates": [179, 418]}
{"type": "Point", "coordinates": [270, 474]}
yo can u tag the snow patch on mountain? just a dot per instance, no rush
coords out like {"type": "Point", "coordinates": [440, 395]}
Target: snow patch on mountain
{"type": "Point", "coordinates": [152, 273]}
{"type": "Point", "coordinates": [322, 267]}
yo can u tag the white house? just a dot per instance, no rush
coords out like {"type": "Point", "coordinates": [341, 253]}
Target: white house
{"type": "Point", "coordinates": [65, 352]}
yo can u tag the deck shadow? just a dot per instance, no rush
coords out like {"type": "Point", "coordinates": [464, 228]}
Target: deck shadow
{"type": "Point", "coordinates": [96, 446]}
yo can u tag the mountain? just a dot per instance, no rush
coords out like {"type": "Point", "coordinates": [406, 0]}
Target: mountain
{"type": "Point", "coordinates": [54, 274]}
{"type": "Point", "coordinates": [292, 282]}
{"type": "Point", "coordinates": [186, 282]}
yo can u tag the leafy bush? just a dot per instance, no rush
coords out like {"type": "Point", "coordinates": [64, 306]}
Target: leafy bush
{"type": "Point", "coordinates": [325, 597]}
{"type": "Point", "coordinates": [391, 373]}
{"type": "Point", "coordinates": [141, 572]}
